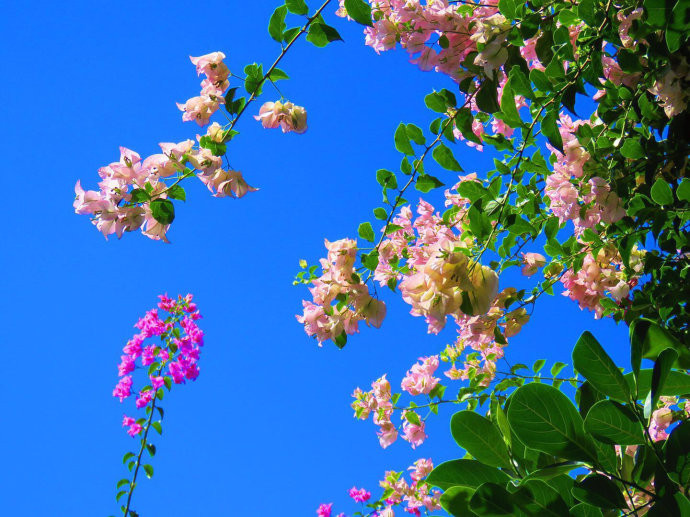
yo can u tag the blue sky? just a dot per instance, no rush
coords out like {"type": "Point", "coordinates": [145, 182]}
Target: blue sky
{"type": "Point", "coordinates": [267, 428]}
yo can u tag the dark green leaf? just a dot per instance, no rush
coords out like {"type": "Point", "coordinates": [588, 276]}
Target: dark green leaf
{"type": "Point", "coordinates": [632, 149]}
{"type": "Point", "coordinates": [402, 141]}
{"type": "Point", "coordinates": [550, 130]}
{"type": "Point", "coordinates": [444, 157]}
{"type": "Point", "coordinates": [590, 359]}
{"type": "Point", "coordinates": [163, 211]}
{"type": "Point", "coordinates": [359, 11]}
{"type": "Point", "coordinates": [176, 192]}
{"type": "Point", "coordinates": [277, 75]}
{"type": "Point", "coordinates": [661, 192]}
{"type": "Point", "coordinates": [149, 471]}
{"type": "Point", "coordinates": [276, 25]}
{"type": "Point", "coordinates": [321, 34]}
{"type": "Point", "coordinates": [614, 423]}
{"type": "Point", "coordinates": [677, 453]}
{"type": "Point", "coordinates": [535, 497]}
{"type": "Point", "coordinates": [544, 419]}
{"type": "Point", "coordinates": [492, 499]}
{"type": "Point", "coordinates": [481, 438]}
{"type": "Point", "coordinates": [468, 473]}
{"type": "Point", "coordinates": [380, 213]}
{"type": "Point", "coordinates": [456, 500]}
{"type": "Point", "coordinates": [415, 134]}
{"type": "Point", "coordinates": [139, 195]}
{"type": "Point", "coordinates": [366, 232]}
{"type": "Point", "coordinates": [598, 490]}
{"type": "Point", "coordinates": [585, 510]}
{"type": "Point", "coordinates": [662, 368]}
{"type": "Point", "coordinates": [487, 97]}
{"type": "Point", "coordinates": [297, 6]}
{"type": "Point", "coordinates": [426, 183]}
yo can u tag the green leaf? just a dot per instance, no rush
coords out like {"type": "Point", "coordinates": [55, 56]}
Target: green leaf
{"type": "Point", "coordinates": [544, 419]}
{"type": "Point", "coordinates": [481, 438]}
{"type": "Point", "coordinates": [415, 134]}
{"type": "Point", "coordinates": [277, 75]}
{"type": "Point", "coordinates": [677, 453]}
{"type": "Point", "coordinates": [467, 473]}
{"type": "Point", "coordinates": [677, 383]}
{"type": "Point", "coordinates": [585, 510]}
{"type": "Point", "coordinates": [444, 157]}
{"type": "Point", "coordinates": [359, 11]}
{"type": "Point", "coordinates": [276, 25]}
{"type": "Point", "coordinates": [520, 83]}
{"type": "Point", "coordinates": [151, 449]}
{"type": "Point", "coordinates": [426, 183]}
{"type": "Point", "coordinates": [122, 483]}
{"type": "Point", "coordinates": [535, 497]}
{"type": "Point", "coordinates": [590, 359]}
{"type": "Point", "coordinates": [683, 190]}
{"type": "Point", "coordinates": [149, 471]}
{"type": "Point", "coordinates": [662, 367]}
{"type": "Point", "coordinates": [661, 192]}
{"type": "Point", "coordinates": [217, 148]}
{"type": "Point", "coordinates": [120, 494]}
{"type": "Point", "coordinates": [538, 365]}
{"type": "Point", "coordinates": [380, 213]}
{"type": "Point", "coordinates": [297, 6]}
{"type": "Point", "coordinates": [632, 149]}
{"type": "Point", "coordinates": [127, 456]}
{"type": "Point", "coordinates": [456, 500]}
{"type": "Point", "coordinates": [487, 97]}
{"type": "Point", "coordinates": [402, 141]}
{"type": "Point", "coordinates": [386, 178]}
{"type": "Point", "coordinates": [600, 491]}
{"type": "Point", "coordinates": [614, 423]}
{"type": "Point", "coordinates": [366, 232]}
{"type": "Point", "coordinates": [321, 34]}
{"type": "Point", "coordinates": [157, 426]}
{"type": "Point", "coordinates": [491, 499]}
{"type": "Point", "coordinates": [507, 8]}
{"type": "Point", "coordinates": [163, 211]}
{"type": "Point", "coordinates": [176, 192]}
{"type": "Point", "coordinates": [509, 111]}
{"type": "Point", "coordinates": [440, 101]}
{"type": "Point", "coordinates": [550, 129]}
{"type": "Point", "coordinates": [139, 195]}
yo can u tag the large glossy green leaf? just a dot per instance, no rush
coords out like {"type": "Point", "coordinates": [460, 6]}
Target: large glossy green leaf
{"type": "Point", "coordinates": [492, 499]}
{"type": "Point", "coordinates": [652, 339]}
{"type": "Point", "coordinates": [585, 510]}
{"type": "Point", "coordinates": [535, 497]}
{"type": "Point", "coordinates": [468, 473]}
{"type": "Point", "coordinates": [660, 372]}
{"type": "Point", "coordinates": [545, 419]}
{"type": "Point", "coordinates": [456, 500]}
{"type": "Point", "coordinates": [677, 453]}
{"type": "Point", "coordinates": [590, 359]}
{"type": "Point", "coordinates": [677, 383]}
{"type": "Point", "coordinates": [480, 437]}
{"type": "Point", "coordinates": [614, 423]}
{"type": "Point", "coordinates": [598, 490]}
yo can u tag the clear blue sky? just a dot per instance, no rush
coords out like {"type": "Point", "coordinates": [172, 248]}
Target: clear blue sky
{"type": "Point", "coordinates": [267, 428]}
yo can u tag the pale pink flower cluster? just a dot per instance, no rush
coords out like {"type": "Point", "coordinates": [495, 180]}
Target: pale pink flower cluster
{"type": "Point", "coordinates": [571, 198]}
{"type": "Point", "coordinates": [415, 494]}
{"type": "Point", "coordinates": [179, 354]}
{"type": "Point", "coordinates": [417, 28]}
{"type": "Point", "coordinates": [340, 299]}
{"type": "Point", "coordinates": [477, 338]}
{"type": "Point", "coordinates": [413, 432]}
{"type": "Point", "coordinates": [672, 89]}
{"type": "Point", "coordinates": [111, 206]}
{"type": "Point", "coordinates": [439, 275]}
{"type": "Point", "coordinates": [114, 211]}
{"type": "Point", "coordinates": [625, 24]}
{"type": "Point", "coordinates": [601, 276]}
{"type": "Point", "coordinates": [532, 262]}
{"type": "Point", "coordinates": [201, 108]}
{"type": "Point", "coordinates": [285, 115]}
{"type": "Point", "coordinates": [377, 401]}
{"type": "Point", "coordinates": [420, 378]}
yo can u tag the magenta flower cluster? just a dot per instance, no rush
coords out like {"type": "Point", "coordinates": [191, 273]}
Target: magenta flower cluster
{"type": "Point", "coordinates": [172, 360]}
